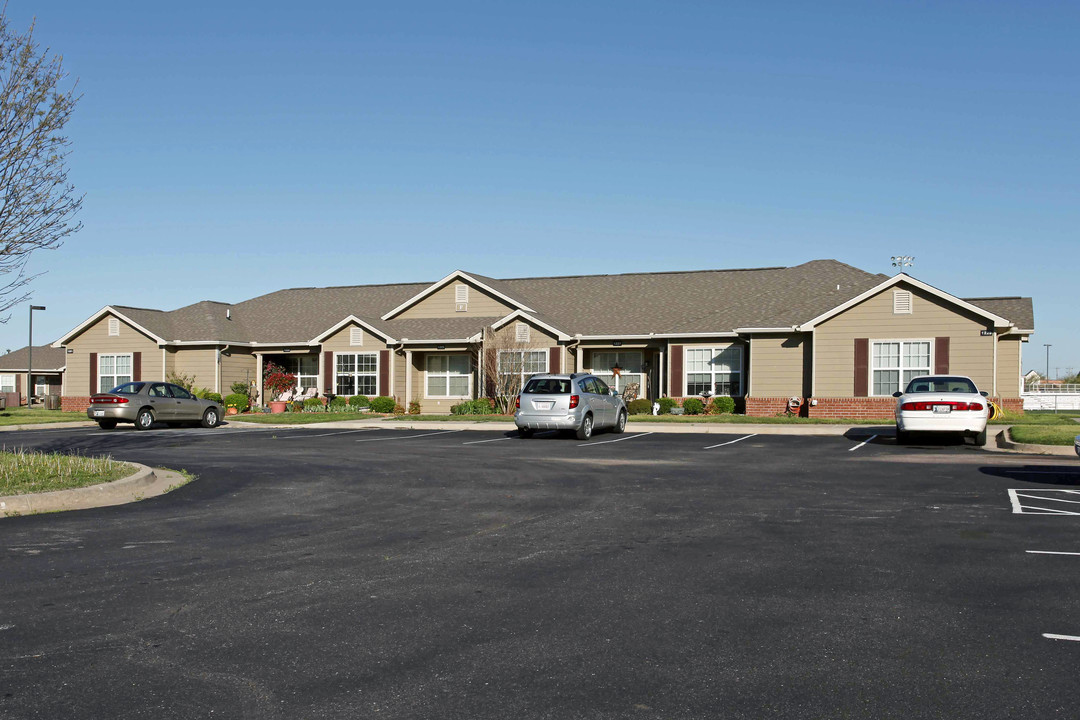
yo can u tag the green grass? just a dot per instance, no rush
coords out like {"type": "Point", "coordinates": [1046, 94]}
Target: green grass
{"type": "Point", "coordinates": [300, 418]}
{"type": "Point", "coordinates": [23, 472]}
{"type": "Point", "coordinates": [1037, 418]}
{"type": "Point", "coordinates": [455, 418]}
{"type": "Point", "coordinates": [1044, 435]}
{"type": "Point", "coordinates": [22, 416]}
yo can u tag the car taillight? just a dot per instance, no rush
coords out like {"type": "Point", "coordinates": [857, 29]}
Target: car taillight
{"type": "Point", "coordinates": [108, 400]}
{"type": "Point", "coordinates": [929, 405]}
{"type": "Point", "coordinates": [517, 403]}
{"type": "Point", "coordinates": [574, 401]}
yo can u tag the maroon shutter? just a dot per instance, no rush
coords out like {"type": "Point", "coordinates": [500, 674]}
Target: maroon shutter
{"type": "Point", "coordinates": [384, 372]}
{"type": "Point", "coordinates": [676, 383]}
{"type": "Point", "coordinates": [18, 388]}
{"type": "Point", "coordinates": [491, 371]}
{"type": "Point", "coordinates": [941, 356]}
{"type": "Point", "coordinates": [93, 373]}
{"type": "Point", "coordinates": [862, 367]}
{"type": "Point", "coordinates": [555, 363]}
{"type": "Point", "coordinates": [136, 366]}
{"type": "Point", "coordinates": [328, 372]}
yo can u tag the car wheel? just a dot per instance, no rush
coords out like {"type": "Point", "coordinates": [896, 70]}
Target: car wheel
{"type": "Point", "coordinates": [525, 433]}
{"type": "Point", "coordinates": [585, 431]}
{"type": "Point", "coordinates": [902, 438]}
{"type": "Point", "coordinates": [620, 424]}
{"type": "Point", "coordinates": [980, 438]}
{"type": "Point", "coordinates": [106, 424]}
{"type": "Point", "coordinates": [211, 418]}
{"type": "Point", "coordinates": [144, 420]}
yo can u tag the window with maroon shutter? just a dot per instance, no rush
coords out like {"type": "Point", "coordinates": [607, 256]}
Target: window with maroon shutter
{"type": "Point", "coordinates": [677, 379]}
{"type": "Point", "coordinates": [328, 372]}
{"type": "Point", "coordinates": [555, 363]}
{"type": "Point", "coordinates": [941, 356]}
{"type": "Point", "coordinates": [862, 367]}
{"type": "Point", "coordinates": [136, 365]}
{"type": "Point", "coordinates": [384, 372]}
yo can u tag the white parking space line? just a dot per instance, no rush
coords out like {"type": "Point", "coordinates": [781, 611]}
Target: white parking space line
{"type": "Point", "coordinates": [1021, 501]}
{"type": "Point", "coordinates": [1051, 636]}
{"type": "Point", "coordinates": [605, 442]}
{"type": "Point", "coordinates": [477, 442]}
{"type": "Point", "coordinates": [1050, 552]}
{"type": "Point", "coordinates": [864, 442]}
{"type": "Point", "coordinates": [409, 437]}
{"type": "Point", "coordinates": [731, 442]}
{"type": "Point", "coordinates": [304, 436]}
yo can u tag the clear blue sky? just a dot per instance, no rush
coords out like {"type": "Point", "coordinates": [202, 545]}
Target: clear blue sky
{"type": "Point", "coordinates": [254, 147]}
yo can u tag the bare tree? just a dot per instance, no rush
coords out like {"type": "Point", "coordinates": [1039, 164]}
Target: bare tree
{"type": "Point", "coordinates": [506, 362]}
{"type": "Point", "coordinates": [37, 204]}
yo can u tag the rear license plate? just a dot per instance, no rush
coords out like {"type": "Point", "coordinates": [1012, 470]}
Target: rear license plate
{"type": "Point", "coordinates": [543, 404]}
{"type": "Point", "coordinates": [942, 409]}
{"type": "Point", "coordinates": [99, 413]}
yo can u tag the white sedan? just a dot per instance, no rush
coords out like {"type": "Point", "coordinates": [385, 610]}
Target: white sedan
{"type": "Point", "coordinates": [941, 403]}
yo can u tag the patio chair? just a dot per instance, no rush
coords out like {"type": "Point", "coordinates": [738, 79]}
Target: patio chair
{"type": "Point", "coordinates": [286, 396]}
{"type": "Point", "coordinates": [309, 393]}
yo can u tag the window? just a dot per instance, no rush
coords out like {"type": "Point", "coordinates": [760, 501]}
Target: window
{"type": "Point", "coordinates": [7, 383]}
{"type": "Point", "coordinates": [114, 326]}
{"type": "Point", "coordinates": [448, 376]}
{"type": "Point", "coordinates": [516, 365]}
{"type": "Point", "coordinates": [521, 333]}
{"type": "Point", "coordinates": [629, 365]}
{"type": "Point", "coordinates": [113, 370]}
{"type": "Point", "coordinates": [895, 362]}
{"type": "Point", "coordinates": [714, 371]}
{"type": "Point", "coordinates": [304, 367]}
{"type": "Point", "coordinates": [41, 386]}
{"type": "Point", "coordinates": [357, 373]}
{"type": "Point", "coordinates": [901, 302]}
{"type": "Point", "coordinates": [461, 298]}
{"type": "Point", "coordinates": [356, 336]}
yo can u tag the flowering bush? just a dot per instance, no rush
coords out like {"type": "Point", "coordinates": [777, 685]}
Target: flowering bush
{"type": "Point", "coordinates": [276, 380]}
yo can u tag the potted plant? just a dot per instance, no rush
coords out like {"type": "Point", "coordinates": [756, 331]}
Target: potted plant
{"type": "Point", "coordinates": [276, 381]}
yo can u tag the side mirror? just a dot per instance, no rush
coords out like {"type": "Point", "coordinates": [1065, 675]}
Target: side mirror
{"type": "Point", "coordinates": [613, 391]}
{"type": "Point", "coordinates": [984, 393]}
{"type": "Point", "coordinates": [897, 394]}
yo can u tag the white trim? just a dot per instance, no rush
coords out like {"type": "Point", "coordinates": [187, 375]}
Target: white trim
{"type": "Point", "coordinates": [904, 277]}
{"type": "Point", "coordinates": [12, 375]}
{"type": "Point", "coordinates": [742, 372]}
{"type": "Point", "coordinates": [746, 330]}
{"type": "Point", "coordinates": [378, 362]}
{"type": "Point", "coordinates": [408, 375]}
{"type": "Point", "coordinates": [521, 314]}
{"type": "Point", "coordinates": [902, 299]}
{"type": "Point", "coordinates": [900, 381]}
{"type": "Point", "coordinates": [994, 340]}
{"type": "Point", "coordinates": [456, 275]}
{"type": "Point", "coordinates": [673, 335]}
{"type": "Point", "coordinates": [108, 309]}
{"type": "Point", "coordinates": [131, 368]}
{"type": "Point", "coordinates": [114, 326]}
{"type": "Point", "coordinates": [447, 375]}
{"type": "Point", "coordinates": [318, 339]}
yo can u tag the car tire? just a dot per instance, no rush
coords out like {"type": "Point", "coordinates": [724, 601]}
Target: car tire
{"type": "Point", "coordinates": [902, 438]}
{"type": "Point", "coordinates": [211, 418]}
{"type": "Point", "coordinates": [525, 433]}
{"type": "Point", "coordinates": [585, 431]}
{"type": "Point", "coordinates": [106, 424]}
{"type": "Point", "coordinates": [144, 420]}
{"type": "Point", "coordinates": [620, 423]}
{"type": "Point", "coordinates": [979, 438]}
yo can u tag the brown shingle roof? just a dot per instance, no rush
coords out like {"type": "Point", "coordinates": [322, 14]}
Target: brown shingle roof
{"type": "Point", "coordinates": [46, 357]}
{"type": "Point", "coordinates": [1017, 310]}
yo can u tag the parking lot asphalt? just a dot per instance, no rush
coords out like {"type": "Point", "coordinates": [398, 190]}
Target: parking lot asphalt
{"type": "Point", "coordinates": [325, 573]}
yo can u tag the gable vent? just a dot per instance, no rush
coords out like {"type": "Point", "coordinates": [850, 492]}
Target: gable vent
{"type": "Point", "coordinates": [356, 336]}
{"type": "Point", "coordinates": [461, 298]}
{"type": "Point", "coordinates": [114, 326]}
{"type": "Point", "coordinates": [901, 302]}
{"type": "Point", "coordinates": [521, 333]}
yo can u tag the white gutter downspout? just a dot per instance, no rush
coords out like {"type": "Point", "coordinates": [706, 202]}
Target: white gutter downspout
{"type": "Point", "coordinates": [163, 360]}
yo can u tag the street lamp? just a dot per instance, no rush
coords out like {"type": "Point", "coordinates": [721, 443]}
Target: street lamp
{"type": "Point", "coordinates": [1047, 359]}
{"type": "Point", "coordinates": [30, 359]}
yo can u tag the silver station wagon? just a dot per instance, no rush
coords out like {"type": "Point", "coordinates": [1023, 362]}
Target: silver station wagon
{"type": "Point", "coordinates": [578, 401]}
{"type": "Point", "coordinates": [144, 403]}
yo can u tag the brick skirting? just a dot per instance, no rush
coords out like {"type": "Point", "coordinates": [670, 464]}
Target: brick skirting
{"type": "Point", "coordinates": [74, 404]}
{"type": "Point", "coordinates": [768, 406]}
{"type": "Point", "coordinates": [881, 407]}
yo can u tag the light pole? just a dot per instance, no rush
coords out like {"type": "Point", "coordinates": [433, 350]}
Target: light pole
{"type": "Point", "coordinates": [30, 359]}
{"type": "Point", "coordinates": [1047, 359]}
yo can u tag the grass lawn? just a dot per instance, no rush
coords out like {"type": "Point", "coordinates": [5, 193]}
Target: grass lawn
{"type": "Point", "coordinates": [22, 416]}
{"type": "Point", "coordinates": [300, 418]}
{"type": "Point", "coordinates": [22, 473]}
{"type": "Point", "coordinates": [1045, 435]}
{"type": "Point", "coordinates": [456, 418]}
{"type": "Point", "coordinates": [1038, 418]}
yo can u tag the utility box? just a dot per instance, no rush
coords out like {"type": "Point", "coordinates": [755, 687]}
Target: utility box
{"type": "Point", "coordinates": [3, 401]}
{"type": "Point", "coordinates": [52, 402]}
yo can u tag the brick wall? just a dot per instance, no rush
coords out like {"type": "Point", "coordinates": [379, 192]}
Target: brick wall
{"type": "Point", "coordinates": [767, 406]}
{"type": "Point", "coordinates": [74, 404]}
{"type": "Point", "coordinates": [854, 407]}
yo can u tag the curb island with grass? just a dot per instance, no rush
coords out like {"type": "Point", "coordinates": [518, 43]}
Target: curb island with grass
{"type": "Point", "coordinates": [22, 472]}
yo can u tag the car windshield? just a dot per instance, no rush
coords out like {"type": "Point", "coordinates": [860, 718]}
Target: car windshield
{"type": "Point", "coordinates": [131, 388]}
{"type": "Point", "coordinates": [941, 385]}
{"type": "Point", "coordinates": [548, 386]}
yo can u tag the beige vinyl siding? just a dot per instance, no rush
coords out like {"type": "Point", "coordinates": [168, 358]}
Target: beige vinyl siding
{"type": "Point", "coordinates": [442, 304]}
{"type": "Point", "coordinates": [400, 374]}
{"type": "Point", "coordinates": [969, 353]}
{"type": "Point", "coordinates": [238, 366]}
{"type": "Point", "coordinates": [777, 365]}
{"type": "Point", "coordinates": [434, 406]}
{"type": "Point", "coordinates": [199, 363]}
{"type": "Point", "coordinates": [1008, 366]}
{"type": "Point", "coordinates": [96, 339]}
{"type": "Point", "coordinates": [504, 337]}
{"type": "Point", "coordinates": [339, 341]}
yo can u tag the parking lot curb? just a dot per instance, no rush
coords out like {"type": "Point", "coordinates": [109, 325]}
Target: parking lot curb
{"type": "Point", "coordinates": [1006, 442]}
{"type": "Point", "coordinates": [144, 483]}
{"type": "Point", "coordinates": [49, 425]}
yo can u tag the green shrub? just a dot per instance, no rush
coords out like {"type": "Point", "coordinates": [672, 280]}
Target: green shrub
{"type": "Point", "coordinates": [313, 404]}
{"type": "Point", "coordinates": [296, 406]}
{"type": "Point", "coordinates": [236, 400]}
{"type": "Point", "coordinates": [339, 403]}
{"type": "Point", "coordinates": [382, 404]}
{"type": "Point", "coordinates": [693, 406]}
{"type": "Point", "coordinates": [723, 405]}
{"type": "Point", "coordinates": [358, 401]}
{"type": "Point", "coordinates": [641, 406]}
{"type": "Point", "coordinates": [666, 404]}
{"type": "Point", "coordinates": [216, 397]}
{"type": "Point", "coordinates": [179, 378]}
{"type": "Point", "coordinates": [414, 407]}
{"type": "Point", "coordinates": [479, 406]}
{"type": "Point", "coordinates": [240, 388]}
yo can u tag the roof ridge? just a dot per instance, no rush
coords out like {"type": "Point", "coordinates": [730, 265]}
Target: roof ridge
{"type": "Point", "coordinates": [662, 272]}
{"type": "Point", "coordinates": [132, 307]}
{"type": "Point", "coordinates": [997, 297]}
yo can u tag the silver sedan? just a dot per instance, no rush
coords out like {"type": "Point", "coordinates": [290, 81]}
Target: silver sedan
{"type": "Point", "coordinates": [144, 403]}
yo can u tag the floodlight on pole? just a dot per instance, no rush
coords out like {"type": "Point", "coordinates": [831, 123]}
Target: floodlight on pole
{"type": "Point", "coordinates": [903, 261]}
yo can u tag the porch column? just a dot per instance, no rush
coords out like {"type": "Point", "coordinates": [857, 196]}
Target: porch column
{"type": "Point", "coordinates": [661, 389]}
{"type": "Point", "coordinates": [408, 377]}
{"type": "Point", "coordinates": [259, 377]}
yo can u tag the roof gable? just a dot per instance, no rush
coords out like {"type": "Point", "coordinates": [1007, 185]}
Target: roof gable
{"type": "Point", "coordinates": [155, 317]}
{"type": "Point", "coordinates": [497, 288]}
